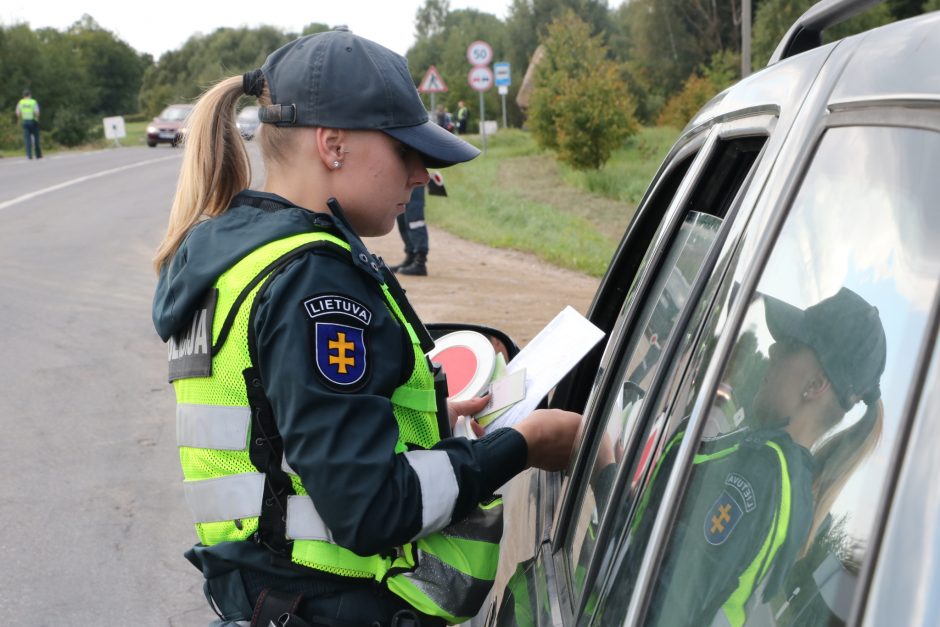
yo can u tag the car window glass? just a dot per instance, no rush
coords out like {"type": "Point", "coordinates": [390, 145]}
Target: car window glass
{"type": "Point", "coordinates": [780, 504]}
{"type": "Point", "coordinates": [642, 350]}
{"type": "Point", "coordinates": [642, 358]}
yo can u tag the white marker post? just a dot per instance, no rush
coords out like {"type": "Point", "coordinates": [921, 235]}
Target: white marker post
{"type": "Point", "coordinates": [114, 129]}
{"type": "Point", "coordinates": [479, 54]}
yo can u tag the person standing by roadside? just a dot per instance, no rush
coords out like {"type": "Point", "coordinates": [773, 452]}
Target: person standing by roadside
{"type": "Point", "coordinates": [463, 117]}
{"type": "Point", "coordinates": [414, 233]}
{"type": "Point", "coordinates": [27, 111]}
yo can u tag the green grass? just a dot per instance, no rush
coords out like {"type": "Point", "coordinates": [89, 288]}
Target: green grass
{"type": "Point", "coordinates": [136, 134]}
{"type": "Point", "coordinates": [627, 174]}
{"type": "Point", "coordinates": [518, 197]}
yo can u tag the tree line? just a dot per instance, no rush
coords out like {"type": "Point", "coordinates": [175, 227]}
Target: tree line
{"type": "Point", "coordinates": [77, 75]}
{"type": "Point", "coordinates": [606, 70]}
{"type": "Point", "coordinates": [86, 72]}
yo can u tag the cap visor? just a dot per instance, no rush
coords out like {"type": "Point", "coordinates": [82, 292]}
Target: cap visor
{"type": "Point", "coordinates": [439, 147]}
{"type": "Point", "coordinates": [784, 321]}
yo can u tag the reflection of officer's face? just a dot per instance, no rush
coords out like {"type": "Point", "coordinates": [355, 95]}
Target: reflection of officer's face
{"type": "Point", "coordinates": [376, 180]}
{"type": "Point", "coordinates": [790, 371]}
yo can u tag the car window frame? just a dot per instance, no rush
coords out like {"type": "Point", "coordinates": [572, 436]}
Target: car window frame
{"type": "Point", "coordinates": [768, 219]}
{"type": "Point", "coordinates": [738, 125]}
{"type": "Point", "coordinates": [630, 308]}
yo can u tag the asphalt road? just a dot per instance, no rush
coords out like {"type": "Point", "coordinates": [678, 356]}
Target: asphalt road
{"type": "Point", "coordinates": [94, 522]}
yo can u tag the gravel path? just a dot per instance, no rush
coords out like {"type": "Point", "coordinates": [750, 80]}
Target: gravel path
{"type": "Point", "coordinates": [467, 282]}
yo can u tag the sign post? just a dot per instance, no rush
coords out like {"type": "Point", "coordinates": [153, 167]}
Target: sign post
{"type": "Point", "coordinates": [503, 81]}
{"type": "Point", "coordinates": [432, 83]}
{"type": "Point", "coordinates": [479, 54]}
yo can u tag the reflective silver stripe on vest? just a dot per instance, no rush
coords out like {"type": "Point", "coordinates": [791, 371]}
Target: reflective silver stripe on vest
{"type": "Point", "coordinates": [286, 467]}
{"type": "Point", "coordinates": [304, 522]}
{"type": "Point", "coordinates": [438, 488]}
{"type": "Point", "coordinates": [225, 498]}
{"type": "Point", "coordinates": [220, 427]}
{"type": "Point", "coordinates": [455, 592]}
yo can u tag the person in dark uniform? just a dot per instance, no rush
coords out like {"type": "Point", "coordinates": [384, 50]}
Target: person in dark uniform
{"type": "Point", "coordinates": [414, 233]}
{"type": "Point", "coordinates": [757, 495]}
{"type": "Point", "coordinates": [314, 435]}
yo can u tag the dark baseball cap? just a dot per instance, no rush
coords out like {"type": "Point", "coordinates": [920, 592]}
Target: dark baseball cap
{"type": "Point", "coordinates": [337, 79]}
{"type": "Point", "coordinates": [846, 333]}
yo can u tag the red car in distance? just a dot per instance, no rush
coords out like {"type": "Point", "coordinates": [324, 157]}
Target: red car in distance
{"type": "Point", "coordinates": [170, 126]}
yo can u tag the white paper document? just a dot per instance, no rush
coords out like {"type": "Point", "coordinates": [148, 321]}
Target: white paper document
{"type": "Point", "coordinates": [546, 359]}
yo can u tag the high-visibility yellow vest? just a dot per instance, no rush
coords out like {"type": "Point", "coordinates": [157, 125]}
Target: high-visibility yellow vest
{"type": "Point", "coordinates": [27, 108]}
{"type": "Point", "coordinates": [229, 473]}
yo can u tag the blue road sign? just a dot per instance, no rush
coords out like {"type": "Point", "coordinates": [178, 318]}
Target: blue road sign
{"type": "Point", "coordinates": [503, 78]}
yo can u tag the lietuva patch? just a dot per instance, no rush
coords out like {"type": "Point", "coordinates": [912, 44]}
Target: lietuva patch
{"type": "Point", "coordinates": [743, 487]}
{"type": "Point", "coordinates": [328, 304]}
{"type": "Point", "coordinates": [339, 339]}
{"type": "Point", "coordinates": [721, 519]}
{"type": "Point", "coordinates": [189, 350]}
{"type": "Point", "coordinates": [341, 353]}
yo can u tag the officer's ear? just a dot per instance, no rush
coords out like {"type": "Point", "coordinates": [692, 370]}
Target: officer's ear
{"type": "Point", "coordinates": [817, 387]}
{"type": "Point", "coordinates": [331, 146]}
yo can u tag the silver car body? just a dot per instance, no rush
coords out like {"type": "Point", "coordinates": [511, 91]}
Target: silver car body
{"type": "Point", "coordinates": [887, 78]}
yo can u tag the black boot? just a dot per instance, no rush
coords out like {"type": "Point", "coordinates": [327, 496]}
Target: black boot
{"type": "Point", "coordinates": [409, 259]}
{"type": "Point", "coordinates": [418, 267]}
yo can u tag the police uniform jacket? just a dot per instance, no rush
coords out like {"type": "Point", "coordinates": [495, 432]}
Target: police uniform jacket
{"type": "Point", "coordinates": [734, 503]}
{"type": "Point", "coordinates": [340, 439]}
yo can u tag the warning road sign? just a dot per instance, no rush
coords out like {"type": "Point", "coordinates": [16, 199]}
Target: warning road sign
{"type": "Point", "coordinates": [432, 82]}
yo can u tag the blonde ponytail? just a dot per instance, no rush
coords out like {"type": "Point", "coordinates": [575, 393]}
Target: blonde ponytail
{"type": "Point", "coordinates": [838, 457]}
{"type": "Point", "coordinates": [215, 166]}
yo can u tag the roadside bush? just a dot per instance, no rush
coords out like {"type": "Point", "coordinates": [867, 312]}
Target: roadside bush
{"type": "Point", "coordinates": [72, 128]}
{"type": "Point", "coordinates": [11, 134]}
{"type": "Point", "coordinates": [699, 88]}
{"type": "Point", "coordinates": [696, 91]}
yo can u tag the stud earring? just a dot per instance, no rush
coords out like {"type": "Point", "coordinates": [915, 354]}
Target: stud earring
{"type": "Point", "coordinates": [337, 164]}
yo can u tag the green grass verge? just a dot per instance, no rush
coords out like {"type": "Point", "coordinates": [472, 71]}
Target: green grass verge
{"type": "Point", "coordinates": [630, 169]}
{"type": "Point", "coordinates": [517, 196]}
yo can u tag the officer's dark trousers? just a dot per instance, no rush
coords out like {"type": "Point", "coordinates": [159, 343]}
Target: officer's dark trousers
{"type": "Point", "coordinates": [31, 138]}
{"type": "Point", "coordinates": [413, 229]}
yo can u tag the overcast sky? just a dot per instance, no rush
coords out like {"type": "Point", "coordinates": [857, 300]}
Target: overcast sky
{"type": "Point", "coordinates": [156, 27]}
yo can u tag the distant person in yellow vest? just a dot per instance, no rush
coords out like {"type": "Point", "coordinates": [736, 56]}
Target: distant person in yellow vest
{"type": "Point", "coordinates": [463, 116]}
{"type": "Point", "coordinates": [27, 110]}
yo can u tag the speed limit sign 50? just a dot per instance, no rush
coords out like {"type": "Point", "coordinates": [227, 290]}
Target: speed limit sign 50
{"type": "Point", "coordinates": [479, 53]}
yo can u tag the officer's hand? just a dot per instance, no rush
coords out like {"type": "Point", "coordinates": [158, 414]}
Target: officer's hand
{"type": "Point", "coordinates": [455, 409]}
{"type": "Point", "coordinates": [550, 434]}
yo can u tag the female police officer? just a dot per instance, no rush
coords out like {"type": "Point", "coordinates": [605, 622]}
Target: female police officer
{"type": "Point", "coordinates": [317, 456]}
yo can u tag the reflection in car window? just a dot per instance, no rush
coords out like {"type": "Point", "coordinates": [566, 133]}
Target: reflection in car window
{"type": "Point", "coordinates": [780, 504]}
{"type": "Point", "coordinates": [641, 358]}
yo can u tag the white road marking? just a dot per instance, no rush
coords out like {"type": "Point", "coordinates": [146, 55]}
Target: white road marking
{"type": "Point", "coordinates": [81, 179]}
